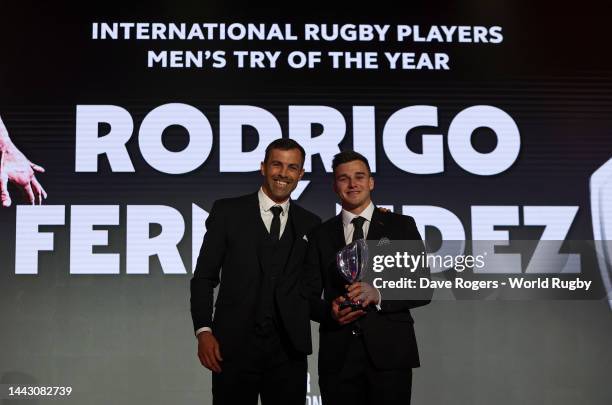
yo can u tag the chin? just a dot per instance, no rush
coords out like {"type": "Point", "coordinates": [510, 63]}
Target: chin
{"type": "Point", "coordinates": [354, 203]}
{"type": "Point", "coordinates": [349, 205]}
{"type": "Point", "coordinates": [281, 196]}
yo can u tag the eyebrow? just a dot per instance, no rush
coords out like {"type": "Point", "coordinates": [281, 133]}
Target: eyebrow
{"type": "Point", "coordinates": [282, 163]}
{"type": "Point", "coordinates": [356, 174]}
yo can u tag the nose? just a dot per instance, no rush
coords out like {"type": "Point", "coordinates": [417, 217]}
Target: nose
{"type": "Point", "coordinates": [284, 171]}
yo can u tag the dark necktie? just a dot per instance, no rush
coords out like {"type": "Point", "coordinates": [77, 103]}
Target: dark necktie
{"type": "Point", "coordinates": [275, 226]}
{"type": "Point", "coordinates": [358, 224]}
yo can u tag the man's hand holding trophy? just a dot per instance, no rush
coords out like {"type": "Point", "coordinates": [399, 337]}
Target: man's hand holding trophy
{"type": "Point", "coordinates": [352, 262]}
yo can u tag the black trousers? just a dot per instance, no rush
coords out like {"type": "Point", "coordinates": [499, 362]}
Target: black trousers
{"type": "Point", "coordinates": [360, 383]}
{"type": "Point", "coordinates": [270, 369]}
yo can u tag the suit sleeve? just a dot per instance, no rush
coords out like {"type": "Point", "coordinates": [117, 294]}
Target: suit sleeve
{"type": "Point", "coordinates": [206, 274]}
{"type": "Point", "coordinates": [423, 295]}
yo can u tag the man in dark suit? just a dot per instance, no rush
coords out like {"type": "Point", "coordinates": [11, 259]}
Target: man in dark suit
{"type": "Point", "coordinates": [366, 355]}
{"type": "Point", "coordinates": [257, 342]}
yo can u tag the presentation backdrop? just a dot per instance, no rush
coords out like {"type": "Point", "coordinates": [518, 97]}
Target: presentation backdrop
{"type": "Point", "coordinates": [123, 124]}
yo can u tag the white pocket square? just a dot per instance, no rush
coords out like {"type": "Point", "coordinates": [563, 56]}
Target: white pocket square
{"type": "Point", "coordinates": [383, 241]}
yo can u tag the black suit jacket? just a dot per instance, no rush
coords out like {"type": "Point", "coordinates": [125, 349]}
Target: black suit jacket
{"type": "Point", "coordinates": [389, 333]}
{"type": "Point", "coordinates": [233, 247]}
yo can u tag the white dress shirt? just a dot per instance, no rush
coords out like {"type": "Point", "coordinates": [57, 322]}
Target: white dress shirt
{"type": "Point", "coordinates": [265, 203]}
{"type": "Point", "coordinates": [349, 228]}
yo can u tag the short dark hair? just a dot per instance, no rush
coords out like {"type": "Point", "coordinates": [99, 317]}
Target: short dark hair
{"type": "Point", "coordinates": [349, 156]}
{"type": "Point", "coordinates": [285, 144]}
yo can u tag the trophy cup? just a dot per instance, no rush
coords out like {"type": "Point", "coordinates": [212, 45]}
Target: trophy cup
{"type": "Point", "coordinates": [352, 261]}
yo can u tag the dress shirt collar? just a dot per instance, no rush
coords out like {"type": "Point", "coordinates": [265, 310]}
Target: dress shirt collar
{"type": "Point", "coordinates": [347, 217]}
{"type": "Point", "coordinates": [265, 202]}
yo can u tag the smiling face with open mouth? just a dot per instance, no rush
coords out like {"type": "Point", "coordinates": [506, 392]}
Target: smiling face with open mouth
{"type": "Point", "coordinates": [281, 172]}
{"type": "Point", "coordinates": [353, 184]}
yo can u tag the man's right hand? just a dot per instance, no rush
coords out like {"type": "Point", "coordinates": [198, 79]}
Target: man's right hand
{"type": "Point", "coordinates": [346, 315]}
{"type": "Point", "coordinates": [209, 352]}
{"type": "Point", "coordinates": [17, 169]}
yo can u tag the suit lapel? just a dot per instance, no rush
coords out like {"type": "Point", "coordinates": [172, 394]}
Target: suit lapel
{"type": "Point", "coordinates": [297, 222]}
{"type": "Point", "coordinates": [299, 230]}
{"type": "Point", "coordinates": [335, 244]}
{"type": "Point", "coordinates": [299, 226]}
{"type": "Point", "coordinates": [377, 226]}
{"type": "Point", "coordinates": [338, 233]}
{"type": "Point", "coordinates": [259, 228]}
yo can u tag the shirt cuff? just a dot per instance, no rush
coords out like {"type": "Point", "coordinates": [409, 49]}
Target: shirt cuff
{"type": "Point", "coordinates": [379, 305]}
{"type": "Point", "coordinates": [204, 329]}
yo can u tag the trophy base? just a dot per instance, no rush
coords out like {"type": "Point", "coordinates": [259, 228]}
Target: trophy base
{"type": "Point", "coordinates": [349, 304]}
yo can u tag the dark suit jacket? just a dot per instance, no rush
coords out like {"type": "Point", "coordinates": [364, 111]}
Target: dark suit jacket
{"type": "Point", "coordinates": [389, 333]}
{"type": "Point", "coordinates": [233, 245]}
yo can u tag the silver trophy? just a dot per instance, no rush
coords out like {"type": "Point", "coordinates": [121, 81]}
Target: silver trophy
{"type": "Point", "coordinates": [352, 262]}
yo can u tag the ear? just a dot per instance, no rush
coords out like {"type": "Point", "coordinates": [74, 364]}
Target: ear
{"type": "Point", "coordinates": [371, 183]}
{"type": "Point", "coordinates": [262, 168]}
{"type": "Point", "coordinates": [301, 174]}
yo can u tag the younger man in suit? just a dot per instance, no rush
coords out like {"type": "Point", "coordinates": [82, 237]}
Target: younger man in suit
{"type": "Point", "coordinates": [366, 356]}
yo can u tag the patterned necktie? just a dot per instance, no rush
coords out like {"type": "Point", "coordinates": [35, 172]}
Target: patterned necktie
{"type": "Point", "coordinates": [275, 226]}
{"type": "Point", "coordinates": [358, 224]}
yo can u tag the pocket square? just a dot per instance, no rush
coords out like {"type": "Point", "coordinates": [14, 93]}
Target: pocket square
{"type": "Point", "coordinates": [383, 241]}
{"type": "Point", "coordinates": [305, 238]}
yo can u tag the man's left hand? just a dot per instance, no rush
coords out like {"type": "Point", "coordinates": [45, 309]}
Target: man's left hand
{"type": "Point", "coordinates": [364, 292]}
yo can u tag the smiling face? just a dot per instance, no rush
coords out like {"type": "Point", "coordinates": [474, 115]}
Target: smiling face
{"type": "Point", "coordinates": [353, 184]}
{"type": "Point", "coordinates": [281, 172]}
